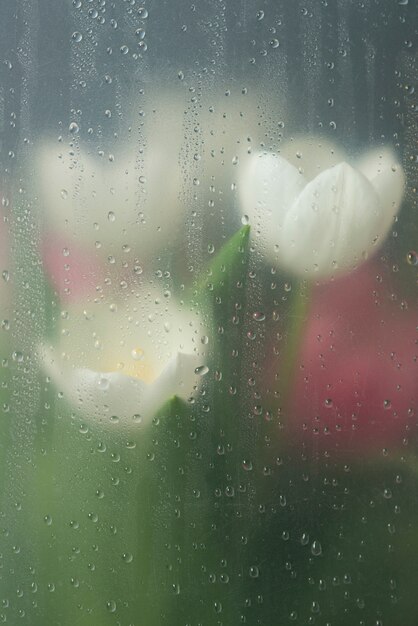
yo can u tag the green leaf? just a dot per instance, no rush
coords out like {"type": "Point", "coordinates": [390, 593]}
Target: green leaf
{"type": "Point", "coordinates": [168, 523]}
{"type": "Point", "coordinates": [227, 270]}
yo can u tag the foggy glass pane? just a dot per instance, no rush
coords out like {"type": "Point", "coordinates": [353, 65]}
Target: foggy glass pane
{"type": "Point", "coordinates": [208, 313]}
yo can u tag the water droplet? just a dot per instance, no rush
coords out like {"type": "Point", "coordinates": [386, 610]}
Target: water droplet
{"type": "Point", "coordinates": [73, 128]}
{"type": "Point", "coordinates": [316, 548]}
{"type": "Point", "coordinates": [137, 354]}
{"type": "Point", "coordinates": [111, 216]}
{"type": "Point", "coordinates": [254, 571]}
{"type": "Point", "coordinates": [124, 49]}
{"type": "Point", "coordinates": [142, 13]}
{"type": "Point", "coordinates": [218, 607]}
{"type": "Point", "coordinates": [304, 539]}
{"type": "Point", "coordinates": [274, 43]}
{"type": "Point", "coordinates": [5, 325]}
{"type": "Point", "coordinates": [412, 257]}
{"type": "Point", "coordinates": [104, 384]}
{"type": "Point", "coordinates": [77, 37]}
{"type": "Point", "coordinates": [259, 316]}
{"type": "Point", "coordinates": [111, 606]}
{"type": "Point", "coordinates": [259, 15]}
{"type": "Point", "coordinates": [247, 465]}
{"type": "Point", "coordinates": [201, 370]}
{"type": "Point", "coordinates": [315, 607]}
{"type": "Point", "coordinates": [245, 220]}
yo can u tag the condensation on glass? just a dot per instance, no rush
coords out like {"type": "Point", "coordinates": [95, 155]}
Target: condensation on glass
{"type": "Point", "coordinates": [208, 250]}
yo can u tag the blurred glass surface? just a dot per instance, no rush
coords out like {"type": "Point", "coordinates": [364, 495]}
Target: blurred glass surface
{"type": "Point", "coordinates": [208, 249]}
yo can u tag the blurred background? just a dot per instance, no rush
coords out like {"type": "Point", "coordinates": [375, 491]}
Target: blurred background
{"type": "Point", "coordinates": [124, 126]}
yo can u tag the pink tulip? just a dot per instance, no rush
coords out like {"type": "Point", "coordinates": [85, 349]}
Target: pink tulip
{"type": "Point", "coordinates": [355, 389]}
{"type": "Point", "coordinates": [73, 271]}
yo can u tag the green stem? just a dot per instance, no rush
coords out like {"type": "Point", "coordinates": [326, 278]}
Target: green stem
{"type": "Point", "coordinates": [295, 333]}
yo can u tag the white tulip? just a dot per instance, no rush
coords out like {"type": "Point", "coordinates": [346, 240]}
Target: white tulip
{"type": "Point", "coordinates": [325, 216]}
{"type": "Point", "coordinates": [126, 360]}
{"type": "Point", "coordinates": [130, 198]}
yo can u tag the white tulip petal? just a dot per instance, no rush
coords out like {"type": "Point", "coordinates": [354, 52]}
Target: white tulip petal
{"type": "Point", "coordinates": [311, 155]}
{"type": "Point", "coordinates": [103, 395]}
{"type": "Point", "coordinates": [139, 338]}
{"type": "Point", "coordinates": [385, 173]}
{"type": "Point", "coordinates": [100, 396]}
{"type": "Point", "coordinates": [179, 378]}
{"type": "Point", "coordinates": [91, 199]}
{"type": "Point", "coordinates": [95, 395]}
{"type": "Point", "coordinates": [333, 224]}
{"type": "Point", "coordinates": [126, 359]}
{"type": "Point", "coordinates": [120, 199]}
{"type": "Point", "coordinates": [268, 188]}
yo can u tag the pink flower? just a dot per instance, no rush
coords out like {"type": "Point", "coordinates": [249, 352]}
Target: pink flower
{"type": "Point", "coordinates": [355, 388]}
{"type": "Point", "coordinates": [73, 271]}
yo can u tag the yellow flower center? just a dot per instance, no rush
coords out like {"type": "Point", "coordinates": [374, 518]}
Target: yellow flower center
{"type": "Point", "coordinates": [138, 366]}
